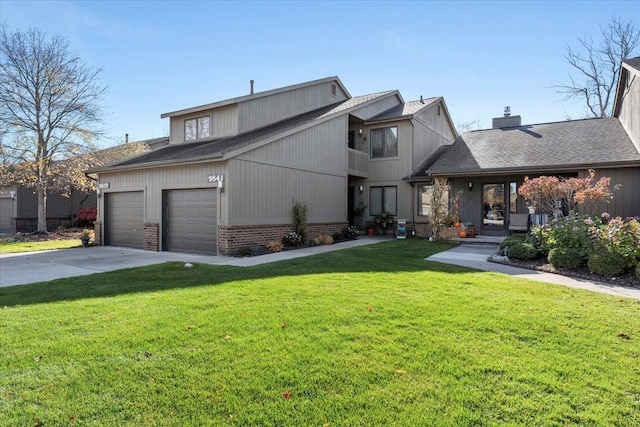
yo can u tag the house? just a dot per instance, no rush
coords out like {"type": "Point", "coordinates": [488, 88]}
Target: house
{"type": "Point", "coordinates": [488, 166]}
{"type": "Point", "coordinates": [19, 203]}
{"type": "Point", "coordinates": [234, 169]}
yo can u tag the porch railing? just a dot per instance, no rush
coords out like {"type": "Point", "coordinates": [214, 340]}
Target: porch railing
{"type": "Point", "coordinates": [358, 163]}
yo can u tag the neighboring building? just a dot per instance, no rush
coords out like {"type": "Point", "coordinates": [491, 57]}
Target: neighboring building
{"type": "Point", "coordinates": [234, 169]}
{"type": "Point", "coordinates": [19, 204]}
{"type": "Point", "coordinates": [489, 166]}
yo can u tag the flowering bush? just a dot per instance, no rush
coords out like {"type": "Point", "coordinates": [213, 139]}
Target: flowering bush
{"type": "Point", "coordinates": [292, 239]}
{"type": "Point", "coordinates": [350, 232]}
{"type": "Point", "coordinates": [585, 236]}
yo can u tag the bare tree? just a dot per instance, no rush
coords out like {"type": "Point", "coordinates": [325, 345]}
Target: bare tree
{"type": "Point", "coordinates": [463, 127]}
{"type": "Point", "coordinates": [49, 106]}
{"type": "Point", "coordinates": [597, 67]}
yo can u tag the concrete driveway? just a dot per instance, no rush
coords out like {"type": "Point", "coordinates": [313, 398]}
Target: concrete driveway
{"type": "Point", "coordinates": [31, 267]}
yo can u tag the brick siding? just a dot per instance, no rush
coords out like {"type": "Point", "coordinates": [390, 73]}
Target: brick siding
{"type": "Point", "coordinates": [151, 237]}
{"type": "Point", "coordinates": [231, 238]}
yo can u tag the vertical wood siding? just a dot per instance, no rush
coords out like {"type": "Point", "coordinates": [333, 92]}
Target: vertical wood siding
{"type": "Point", "coordinates": [270, 109]}
{"type": "Point", "coordinates": [310, 167]}
{"type": "Point", "coordinates": [224, 122]}
{"type": "Point", "coordinates": [630, 108]}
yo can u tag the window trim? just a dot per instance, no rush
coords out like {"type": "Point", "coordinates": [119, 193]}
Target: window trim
{"type": "Point", "coordinates": [197, 128]}
{"type": "Point", "coordinates": [384, 142]}
{"type": "Point", "coordinates": [382, 204]}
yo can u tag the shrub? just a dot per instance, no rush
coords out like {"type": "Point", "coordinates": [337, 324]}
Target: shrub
{"type": "Point", "coordinates": [292, 239]}
{"type": "Point", "coordinates": [300, 221]}
{"type": "Point", "coordinates": [510, 241]}
{"type": "Point", "coordinates": [86, 216]}
{"type": "Point", "coordinates": [620, 236]}
{"type": "Point", "coordinates": [565, 258]}
{"type": "Point", "coordinates": [523, 251]}
{"type": "Point", "coordinates": [245, 251]}
{"type": "Point", "coordinates": [323, 240]}
{"type": "Point", "coordinates": [569, 232]}
{"type": "Point", "coordinates": [607, 264]}
{"type": "Point", "coordinates": [337, 236]}
{"type": "Point", "coordinates": [274, 246]}
{"type": "Point", "coordinates": [350, 232]}
{"type": "Point", "coordinates": [638, 272]}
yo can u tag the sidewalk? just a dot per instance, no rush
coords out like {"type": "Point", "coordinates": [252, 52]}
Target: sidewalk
{"type": "Point", "coordinates": [475, 255]}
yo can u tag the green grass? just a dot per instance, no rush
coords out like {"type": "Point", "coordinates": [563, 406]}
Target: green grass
{"type": "Point", "coordinates": [372, 336]}
{"type": "Point", "coordinates": [15, 247]}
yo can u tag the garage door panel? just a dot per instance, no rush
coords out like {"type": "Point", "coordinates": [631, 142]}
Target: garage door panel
{"type": "Point", "coordinates": [125, 219]}
{"type": "Point", "coordinates": [191, 221]}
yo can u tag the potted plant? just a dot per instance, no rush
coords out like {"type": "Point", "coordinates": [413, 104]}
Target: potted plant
{"type": "Point", "coordinates": [85, 237]}
{"type": "Point", "coordinates": [383, 220]}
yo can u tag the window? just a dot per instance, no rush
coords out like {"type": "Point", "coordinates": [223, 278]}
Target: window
{"type": "Point", "coordinates": [493, 199]}
{"type": "Point", "coordinates": [384, 142]}
{"type": "Point", "coordinates": [513, 197]}
{"type": "Point", "coordinates": [425, 192]}
{"type": "Point", "coordinates": [383, 199]}
{"type": "Point", "coordinates": [196, 128]}
{"type": "Point", "coordinates": [439, 110]}
{"type": "Point", "coordinates": [334, 89]}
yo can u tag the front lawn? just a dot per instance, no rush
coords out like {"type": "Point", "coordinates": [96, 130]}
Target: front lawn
{"type": "Point", "coordinates": [368, 336]}
{"type": "Point", "coordinates": [16, 247]}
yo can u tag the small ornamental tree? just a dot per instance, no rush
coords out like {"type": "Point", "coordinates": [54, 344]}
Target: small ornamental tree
{"type": "Point", "coordinates": [545, 191]}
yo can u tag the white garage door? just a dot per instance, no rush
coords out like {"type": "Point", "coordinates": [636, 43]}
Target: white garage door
{"type": "Point", "coordinates": [125, 215]}
{"type": "Point", "coordinates": [5, 215]}
{"type": "Point", "coordinates": [190, 221]}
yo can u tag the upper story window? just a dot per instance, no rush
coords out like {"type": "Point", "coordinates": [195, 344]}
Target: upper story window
{"type": "Point", "coordinates": [384, 142]}
{"type": "Point", "coordinates": [197, 128]}
{"type": "Point", "coordinates": [334, 89]}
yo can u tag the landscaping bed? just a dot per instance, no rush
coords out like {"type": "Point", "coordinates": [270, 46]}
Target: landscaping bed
{"type": "Point", "coordinates": [627, 279]}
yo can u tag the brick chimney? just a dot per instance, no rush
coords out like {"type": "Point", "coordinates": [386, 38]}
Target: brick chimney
{"type": "Point", "coordinates": [508, 121]}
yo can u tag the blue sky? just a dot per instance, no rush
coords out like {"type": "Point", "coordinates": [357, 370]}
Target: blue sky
{"type": "Point", "coordinates": [163, 56]}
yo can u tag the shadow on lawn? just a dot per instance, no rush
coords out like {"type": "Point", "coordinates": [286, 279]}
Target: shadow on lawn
{"type": "Point", "coordinates": [394, 256]}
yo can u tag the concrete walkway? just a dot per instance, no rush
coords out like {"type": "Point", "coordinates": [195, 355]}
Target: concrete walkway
{"type": "Point", "coordinates": [476, 256]}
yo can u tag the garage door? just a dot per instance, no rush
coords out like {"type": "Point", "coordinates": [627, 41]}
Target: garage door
{"type": "Point", "coordinates": [190, 221]}
{"type": "Point", "coordinates": [124, 219]}
{"type": "Point", "coordinates": [5, 215]}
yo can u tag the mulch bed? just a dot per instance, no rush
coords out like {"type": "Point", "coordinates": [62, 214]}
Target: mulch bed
{"type": "Point", "coordinates": [628, 279]}
{"type": "Point", "coordinates": [62, 234]}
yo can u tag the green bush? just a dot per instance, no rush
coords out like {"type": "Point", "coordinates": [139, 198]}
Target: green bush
{"type": "Point", "coordinates": [638, 272]}
{"type": "Point", "coordinates": [607, 264]}
{"type": "Point", "coordinates": [523, 251]}
{"type": "Point", "coordinates": [565, 258]}
{"type": "Point", "coordinates": [245, 251]}
{"type": "Point", "coordinates": [510, 241]}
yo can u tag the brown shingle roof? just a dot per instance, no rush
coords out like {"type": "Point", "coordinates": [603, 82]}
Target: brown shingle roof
{"type": "Point", "coordinates": [577, 143]}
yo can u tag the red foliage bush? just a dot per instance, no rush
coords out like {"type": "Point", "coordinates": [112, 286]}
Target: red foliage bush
{"type": "Point", "coordinates": [86, 216]}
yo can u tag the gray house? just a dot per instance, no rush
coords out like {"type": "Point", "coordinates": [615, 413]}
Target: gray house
{"type": "Point", "coordinates": [234, 169]}
{"type": "Point", "coordinates": [489, 166]}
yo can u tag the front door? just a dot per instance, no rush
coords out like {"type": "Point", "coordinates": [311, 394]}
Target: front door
{"type": "Point", "coordinates": [493, 202]}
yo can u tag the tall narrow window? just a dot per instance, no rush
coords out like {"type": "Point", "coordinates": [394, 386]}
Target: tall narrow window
{"type": "Point", "coordinates": [383, 200]}
{"type": "Point", "coordinates": [425, 193]}
{"type": "Point", "coordinates": [197, 128]}
{"type": "Point", "coordinates": [513, 197]}
{"type": "Point", "coordinates": [493, 198]}
{"type": "Point", "coordinates": [384, 142]}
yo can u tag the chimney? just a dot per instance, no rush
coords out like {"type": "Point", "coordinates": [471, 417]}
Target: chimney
{"type": "Point", "coordinates": [126, 138]}
{"type": "Point", "coordinates": [421, 101]}
{"type": "Point", "coordinates": [507, 121]}
{"type": "Point", "coordinates": [250, 87]}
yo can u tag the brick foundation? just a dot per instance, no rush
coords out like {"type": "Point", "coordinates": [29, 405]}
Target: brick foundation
{"type": "Point", "coordinates": [151, 237]}
{"type": "Point", "coordinates": [231, 238]}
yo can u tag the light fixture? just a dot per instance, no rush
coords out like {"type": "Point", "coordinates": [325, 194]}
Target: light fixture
{"type": "Point", "coordinates": [221, 186]}
{"type": "Point", "coordinates": [360, 132]}
{"type": "Point", "coordinates": [12, 194]}
{"type": "Point", "coordinates": [361, 189]}
{"type": "Point", "coordinates": [99, 193]}
{"type": "Point", "coordinates": [470, 186]}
